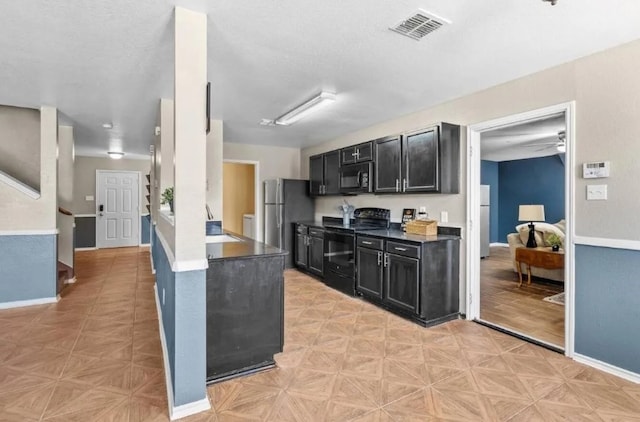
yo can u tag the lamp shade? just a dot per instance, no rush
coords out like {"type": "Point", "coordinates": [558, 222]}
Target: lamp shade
{"type": "Point", "coordinates": [531, 213]}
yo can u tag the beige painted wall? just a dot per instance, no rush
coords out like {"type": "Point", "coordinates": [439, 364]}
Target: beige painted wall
{"type": "Point", "coordinates": [20, 144]}
{"type": "Point", "coordinates": [19, 212]}
{"type": "Point", "coordinates": [85, 180]}
{"type": "Point", "coordinates": [273, 162]}
{"type": "Point", "coordinates": [238, 196]}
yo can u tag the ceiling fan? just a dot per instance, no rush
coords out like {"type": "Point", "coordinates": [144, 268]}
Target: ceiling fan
{"type": "Point", "coordinates": [559, 144]}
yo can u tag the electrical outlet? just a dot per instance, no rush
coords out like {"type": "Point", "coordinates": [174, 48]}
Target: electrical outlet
{"type": "Point", "coordinates": [444, 217]}
{"type": "Point", "coordinates": [422, 209]}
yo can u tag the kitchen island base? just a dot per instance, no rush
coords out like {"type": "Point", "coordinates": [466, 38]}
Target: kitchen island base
{"type": "Point", "coordinates": [245, 314]}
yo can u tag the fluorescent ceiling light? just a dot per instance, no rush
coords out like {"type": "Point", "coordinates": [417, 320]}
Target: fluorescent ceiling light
{"type": "Point", "coordinates": [116, 155]}
{"type": "Point", "coordinates": [317, 102]}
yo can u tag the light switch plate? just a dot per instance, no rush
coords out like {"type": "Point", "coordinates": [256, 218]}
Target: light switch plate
{"type": "Point", "coordinates": [596, 192]}
{"type": "Point", "coordinates": [88, 198]}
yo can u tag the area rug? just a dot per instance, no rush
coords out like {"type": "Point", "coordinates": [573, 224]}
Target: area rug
{"type": "Point", "coordinates": [557, 299]}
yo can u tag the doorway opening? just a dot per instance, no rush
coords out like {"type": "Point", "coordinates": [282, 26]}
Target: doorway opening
{"type": "Point", "coordinates": [522, 160]}
{"type": "Point", "coordinates": [240, 193]}
{"type": "Point", "coordinates": [117, 208]}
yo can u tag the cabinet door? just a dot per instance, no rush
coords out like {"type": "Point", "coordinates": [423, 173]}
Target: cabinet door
{"type": "Point", "coordinates": [402, 282]}
{"type": "Point", "coordinates": [364, 152]}
{"type": "Point", "coordinates": [369, 279]}
{"type": "Point", "coordinates": [332, 173]}
{"type": "Point", "coordinates": [420, 161]}
{"type": "Point", "coordinates": [387, 173]}
{"type": "Point", "coordinates": [348, 155]}
{"type": "Point", "coordinates": [316, 254]}
{"type": "Point", "coordinates": [316, 174]}
{"type": "Point", "coordinates": [301, 250]}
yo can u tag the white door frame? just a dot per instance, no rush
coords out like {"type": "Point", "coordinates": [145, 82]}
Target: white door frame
{"type": "Point", "coordinates": [137, 199]}
{"type": "Point", "coordinates": [473, 211]}
{"type": "Point", "coordinates": [257, 194]}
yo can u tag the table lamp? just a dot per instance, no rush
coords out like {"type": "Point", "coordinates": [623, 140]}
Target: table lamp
{"type": "Point", "coordinates": [531, 213]}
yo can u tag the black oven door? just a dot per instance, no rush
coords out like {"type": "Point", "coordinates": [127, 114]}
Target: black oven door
{"type": "Point", "coordinates": [356, 178]}
{"type": "Point", "coordinates": [339, 261]}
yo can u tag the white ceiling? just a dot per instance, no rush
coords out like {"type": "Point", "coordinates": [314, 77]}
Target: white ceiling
{"type": "Point", "coordinates": [537, 138]}
{"type": "Point", "coordinates": [101, 61]}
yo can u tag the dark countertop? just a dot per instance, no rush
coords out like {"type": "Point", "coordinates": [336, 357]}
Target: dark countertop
{"type": "Point", "coordinates": [400, 235]}
{"type": "Point", "coordinates": [394, 232]}
{"type": "Point", "coordinates": [246, 249]}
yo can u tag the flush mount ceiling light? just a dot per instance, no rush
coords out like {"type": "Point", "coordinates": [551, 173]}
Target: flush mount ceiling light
{"type": "Point", "coordinates": [107, 125]}
{"type": "Point", "coordinates": [116, 155]}
{"type": "Point", "coordinates": [553, 2]}
{"type": "Point", "coordinates": [306, 108]}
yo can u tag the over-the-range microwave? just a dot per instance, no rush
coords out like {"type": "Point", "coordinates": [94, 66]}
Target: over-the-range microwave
{"type": "Point", "coordinates": [356, 178]}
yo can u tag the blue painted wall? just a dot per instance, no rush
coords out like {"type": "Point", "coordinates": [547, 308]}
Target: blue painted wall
{"type": "Point", "coordinates": [86, 231]}
{"type": "Point", "coordinates": [607, 313]}
{"type": "Point", "coordinates": [532, 181]}
{"type": "Point", "coordinates": [182, 298]}
{"type": "Point", "coordinates": [28, 267]}
{"type": "Point", "coordinates": [489, 176]}
{"type": "Point", "coordinates": [145, 229]}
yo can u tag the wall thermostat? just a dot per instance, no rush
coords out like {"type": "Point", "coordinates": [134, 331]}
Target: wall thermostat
{"type": "Point", "coordinates": [595, 170]}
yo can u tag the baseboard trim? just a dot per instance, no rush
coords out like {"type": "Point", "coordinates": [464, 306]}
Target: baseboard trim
{"type": "Point", "coordinates": [175, 412]}
{"type": "Point", "coordinates": [144, 245]}
{"type": "Point", "coordinates": [502, 245]}
{"type": "Point", "coordinates": [86, 249]}
{"type": "Point", "coordinates": [71, 280]}
{"type": "Point", "coordinates": [28, 232]}
{"type": "Point", "coordinates": [608, 368]}
{"type": "Point", "coordinates": [30, 302]}
{"type": "Point", "coordinates": [189, 409]}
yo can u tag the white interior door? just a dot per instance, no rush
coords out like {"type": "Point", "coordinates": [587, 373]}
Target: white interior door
{"type": "Point", "coordinates": [117, 208]}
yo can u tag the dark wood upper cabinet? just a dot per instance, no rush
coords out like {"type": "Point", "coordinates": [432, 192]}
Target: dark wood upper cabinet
{"type": "Point", "coordinates": [388, 164]}
{"type": "Point", "coordinates": [324, 174]}
{"type": "Point", "coordinates": [420, 161]}
{"type": "Point", "coordinates": [356, 153]}
{"type": "Point", "coordinates": [316, 174]}
{"type": "Point", "coordinates": [426, 161]}
{"type": "Point", "coordinates": [332, 173]}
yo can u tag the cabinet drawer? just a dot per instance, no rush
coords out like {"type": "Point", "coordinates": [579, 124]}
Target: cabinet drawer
{"type": "Point", "coordinates": [370, 242]}
{"type": "Point", "coordinates": [404, 249]}
{"type": "Point", "coordinates": [316, 232]}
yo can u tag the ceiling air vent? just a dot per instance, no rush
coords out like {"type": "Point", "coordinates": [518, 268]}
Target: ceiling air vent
{"type": "Point", "coordinates": [420, 24]}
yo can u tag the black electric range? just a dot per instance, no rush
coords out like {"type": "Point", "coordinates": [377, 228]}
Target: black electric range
{"type": "Point", "coordinates": [339, 246]}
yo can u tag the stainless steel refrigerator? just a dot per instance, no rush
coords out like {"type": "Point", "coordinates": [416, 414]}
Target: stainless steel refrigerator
{"type": "Point", "coordinates": [485, 208]}
{"type": "Point", "coordinates": [286, 201]}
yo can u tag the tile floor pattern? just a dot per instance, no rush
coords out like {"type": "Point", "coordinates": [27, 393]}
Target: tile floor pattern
{"type": "Point", "coordinates": [95, 356]}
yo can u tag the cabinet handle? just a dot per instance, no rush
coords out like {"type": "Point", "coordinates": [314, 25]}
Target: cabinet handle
{"type": "Point", "coordinates": [354, 154]}
{"type": "Point", "coordinates": [366, 242]}
{"type": "Point", "coordinates": [322, 189]}
{"type": "Point", "coordinates": [400, 249]}
{"type": "Point", "coordinates": [386, 259]}
{"type": "Point", "coordinates": [397, 185]}
{"type": "Point", "coordinates": [379, 258]}
{"type": "Point", "coordinates": [404, 185]}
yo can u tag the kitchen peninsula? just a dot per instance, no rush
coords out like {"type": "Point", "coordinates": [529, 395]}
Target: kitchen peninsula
{"type": "Point", "coordinates": [245, 306]}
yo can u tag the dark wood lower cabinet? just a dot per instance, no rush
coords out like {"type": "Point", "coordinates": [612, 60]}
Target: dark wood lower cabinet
{"type": "Point", "coordinates": [316, 255]}
{"type": "Point", "coordinates": [422, 284]}
{"type": "Point", "coordinates": [245, 315]}
{"type": "Point", "coordinates": [402, 282]}
{"type": "Point", "coordinates": [370, 272]}
{"type": "Point", "coordinates": [302, 257]}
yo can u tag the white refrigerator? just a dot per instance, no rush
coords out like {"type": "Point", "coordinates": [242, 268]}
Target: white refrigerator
{"type": "Point", "coordinates": [485, 207]}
